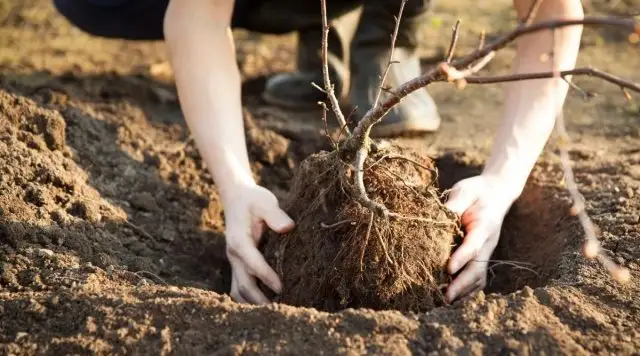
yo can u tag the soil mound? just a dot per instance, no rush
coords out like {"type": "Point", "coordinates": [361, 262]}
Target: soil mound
{"type": "Point", "coordinates": [341, 255]}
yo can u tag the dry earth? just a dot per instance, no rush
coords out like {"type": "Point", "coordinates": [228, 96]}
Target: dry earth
{"type": "Point", "coordinates": [111, 229]}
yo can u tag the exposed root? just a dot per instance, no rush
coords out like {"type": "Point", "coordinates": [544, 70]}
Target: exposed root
{"type": "Point", "coordinates": [362, 196]}
{"type": "Point", "coordinates": [325, 226]}
{"type": "Point", "coordinates": [397, 260]}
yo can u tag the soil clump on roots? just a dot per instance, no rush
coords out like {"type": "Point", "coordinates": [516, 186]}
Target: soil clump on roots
{"type": "Point", "coordinates": [341, 255]}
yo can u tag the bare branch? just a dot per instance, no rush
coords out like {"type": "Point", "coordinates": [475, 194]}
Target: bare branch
{"type": "Point", "coordinates": [454, 75]}
{"type": "Point", "coordinates": [375, 114]}
{"type": "Point", "coordinates": [545, 25]}
{"type": "Point", "coordinates": [592, 72]}
{"type": "Point", "coordinates": [326, 127]}
{"type": "Point", "coordinates": [592, 247]}
{"type": "Point", "coordinates": [483, 36]}
{"type": "Point", "coordinates": [531, 15]}
{"type": "Point", "coordinates": [328, 87]}
{"type": "Point", "coordinates": [454, 41]}
{"type": "Point", "coordinates": [390, 62]}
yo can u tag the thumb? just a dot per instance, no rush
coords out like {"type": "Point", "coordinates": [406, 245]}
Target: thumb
{"type": "Point", "coordinates": [276, 218]}
{"type": "Point", "coordinates": [461, 198]}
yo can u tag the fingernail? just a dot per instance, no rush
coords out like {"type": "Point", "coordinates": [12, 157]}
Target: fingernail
{"type": "Point", "coordinates": [453, 268]}
{"type": "Point", "coordinates": [276, 287]}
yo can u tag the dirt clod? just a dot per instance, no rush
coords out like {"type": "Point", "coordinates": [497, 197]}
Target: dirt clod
{"type": "Point", "coordinates": [341, 255]}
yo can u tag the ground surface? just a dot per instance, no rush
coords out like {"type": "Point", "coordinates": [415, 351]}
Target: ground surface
{"type": "Point", "coordinates": [111, 229]}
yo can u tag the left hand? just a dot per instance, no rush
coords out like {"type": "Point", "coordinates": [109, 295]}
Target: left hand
{"type": "Point", "coordinates": [482, 203]}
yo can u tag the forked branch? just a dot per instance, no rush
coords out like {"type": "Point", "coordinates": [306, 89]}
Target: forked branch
{"type": "Point", "coordinates": [436, 74]}
{"type": "Point", "coordinates": [328, 86]}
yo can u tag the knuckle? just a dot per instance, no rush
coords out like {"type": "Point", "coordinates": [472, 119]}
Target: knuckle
{"type": "Point", "coordinates": [244, 291]}
{"type": "Point", "coordinates": [233, 248]}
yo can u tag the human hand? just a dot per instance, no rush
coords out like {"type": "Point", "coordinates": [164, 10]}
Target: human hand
{"type": "Point", "coordinates": [247, 209]}
{"type": "Point", "coordinates": [482, 203]}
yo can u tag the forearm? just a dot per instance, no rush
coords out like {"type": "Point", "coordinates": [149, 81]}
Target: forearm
{"type": "Point", "coordinates": [531, 106]}
{"type": "Point", "coordinates": [202, 55]}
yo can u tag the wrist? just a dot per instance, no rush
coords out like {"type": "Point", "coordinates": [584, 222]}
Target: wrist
{"type": "Point", "coordinates": [230, 187]}
{"type": "Point", "coordinates": [509, 182]}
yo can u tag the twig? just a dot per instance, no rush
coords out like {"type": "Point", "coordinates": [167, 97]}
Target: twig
{"type": "Point", "coordinates": [361, 133]}
{"type": "Point", "coordinates": [592, 247]}
{"type": "Point", "coordinates": [531, 15]}
{"type": "Point", "coordinates": [483, 36]}
{"type": "Point", "coordinates": [585, 94]}
{"type": "Point", "coordinates": [328, 87]}
{"type": "Point", "coordinates": [454, 75]}
{"type": "Point", "coordinates": [326, 127]}
{"type": "Point", "coordinates": [390, 62]}
{"type": "Point", "coordinates": [454, 41]}
{"type": "Point", "coordinates": [592, 72]}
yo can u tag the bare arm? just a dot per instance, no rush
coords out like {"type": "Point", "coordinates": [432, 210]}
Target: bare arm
{"type": "Point", "coordinates": [528, 120]}
{"type": "Point", "coordinates": [202, 54]}
{"type": "Point", "coordinates": [531, 106]}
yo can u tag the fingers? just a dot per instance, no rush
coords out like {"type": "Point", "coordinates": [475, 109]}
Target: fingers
{"type": "Point", "coordinates": [251, 260]}
{"type": "Point", "coordinates": [461, 198]}
{"type": "Point", "coordinates": [247, 288]}
{"type": "Point", "coordinates": [277, 220]}
{"type": "Point", "coordinates": [235, 293]}
{"type": "Point", "coordinates": [471, 279]}
{"type": "Point", "coordinates": [470, 248]}
{"type": "Point", "coordinates": [268, 210]}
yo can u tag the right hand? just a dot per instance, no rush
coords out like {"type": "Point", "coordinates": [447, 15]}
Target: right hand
{"type": "Point", "coordinates": [247, 209]}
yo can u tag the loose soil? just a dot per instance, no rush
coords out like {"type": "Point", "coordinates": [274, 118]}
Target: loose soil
{"type": "Point", "coordinates": [111, 228]}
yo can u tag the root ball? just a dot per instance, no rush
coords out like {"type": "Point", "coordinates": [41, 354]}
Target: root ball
{"type": "Point", "coordinates": [341, 255]}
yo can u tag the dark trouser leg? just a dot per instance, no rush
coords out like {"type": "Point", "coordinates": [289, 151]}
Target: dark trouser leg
{"type": "Point", "coordinates": [124, 19]}
{"type": "Point", "coordinates": [143, 20]}
{"type": "Point", "coordinates": [369, 57]}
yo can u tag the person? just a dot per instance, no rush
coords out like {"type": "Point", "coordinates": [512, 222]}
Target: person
{"type": "Point", "coordinates": [201, 51]}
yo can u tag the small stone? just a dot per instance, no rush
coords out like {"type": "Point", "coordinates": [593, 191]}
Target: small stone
{"type": "Point", "coordinates": [168, 235]}
{"type": "Point", "coordinates": [620, 261]}
{"type": "Point", "coordinates": [45, 252]}
{"type": "Point", "coordinates": [85, 210]}
{"type": "Point", "coordinates": [55, 300]}
{"type": "Point", "coordinates": [35, 195]}
{"type": "Point", "coordinates": [630, 192]}
{"type": "Point", "coordinates": [20, 335]}
{"type": "Point", "coordinates": [144, 201]}
{"type": "Point", "coordinates": [527, 292]}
